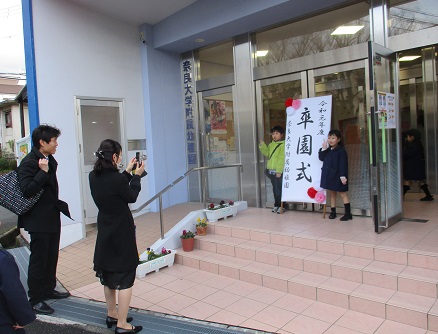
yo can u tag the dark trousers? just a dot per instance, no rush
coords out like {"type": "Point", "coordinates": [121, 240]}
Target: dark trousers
{"type": "Point", "coordinates": [277, 185]}
{"type": "Point", "coordinates": [44, 250]}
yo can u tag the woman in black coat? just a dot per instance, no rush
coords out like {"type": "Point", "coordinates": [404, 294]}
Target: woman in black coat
{"type": "Point", "coordinates": [116, 255]}
{"type": "Point", "coordinates": [334, 173]}
{"type": "Point", "coordinates": [414, 163]}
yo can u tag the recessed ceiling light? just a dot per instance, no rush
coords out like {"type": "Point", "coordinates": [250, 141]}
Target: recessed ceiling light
{"type": "Point", "coordinates": [346, 30]}
{"type": "Point", "coordinates": [408, 58]}
{"type": "Point", "coordinates": [261, 53]}
{"type": "Point", "coordinates": [199, 40]}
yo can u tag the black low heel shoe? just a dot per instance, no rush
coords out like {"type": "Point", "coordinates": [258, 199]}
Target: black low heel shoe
{"type": "Point", "coordinates": [134, 329]}
{"type": "Point", "coordinates": [110, 321]}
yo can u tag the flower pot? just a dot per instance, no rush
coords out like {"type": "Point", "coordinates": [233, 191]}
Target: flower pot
{"type": "Point", "coordinates": [201, 230]}
{"type": "Point", "coordinates": [215, 215]}
{"type": "Point", "coordinates": [188, 244]}
{"type": "Point", "coordinates": [155, 264]}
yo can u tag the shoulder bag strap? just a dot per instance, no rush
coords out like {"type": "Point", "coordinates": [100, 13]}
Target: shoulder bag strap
{"type": "Point", "coordinates": [274, 150]}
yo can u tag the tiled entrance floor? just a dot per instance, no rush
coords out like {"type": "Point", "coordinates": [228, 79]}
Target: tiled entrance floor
{"type": "Point", "coordinates": [200, 294]}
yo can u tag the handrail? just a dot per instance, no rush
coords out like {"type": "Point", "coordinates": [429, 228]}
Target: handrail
{"type": "Point", "coordinates": [202, 169]}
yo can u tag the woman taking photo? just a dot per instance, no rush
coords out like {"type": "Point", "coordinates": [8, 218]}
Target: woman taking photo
{"type": "Point", "coordinates": [115, 255]}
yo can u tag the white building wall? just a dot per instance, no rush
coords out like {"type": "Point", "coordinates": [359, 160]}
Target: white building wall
{"type": "Point", "coordinates": [16, 123]}
{"type": "Point", "coordinates": [13, 133]}
{"type": "Point", "coordinates": [79, 53]}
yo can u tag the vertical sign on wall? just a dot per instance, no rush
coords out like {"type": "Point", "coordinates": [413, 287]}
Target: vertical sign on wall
{"type": "Point", "coordinates": [191, 149]}
{"type": "Point", "coordinates": [307, 125]}
{"type": "Point", "coordinates": [22, 147]}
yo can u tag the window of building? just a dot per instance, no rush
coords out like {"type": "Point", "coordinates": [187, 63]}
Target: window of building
{"type": "Point", "coordinates": [8, 119]}
{"type": "Point", "coordinates": [328, 31]}
{"type": "Point", "coordinates": [409, 16]}
{"type": "Point", "coordinates": [215, 61]}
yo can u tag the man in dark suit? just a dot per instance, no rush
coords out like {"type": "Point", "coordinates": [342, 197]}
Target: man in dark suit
{"type": "Point", "coordinates": [15, 309]}
{"type": "Point", "coordinates": [43, 222]}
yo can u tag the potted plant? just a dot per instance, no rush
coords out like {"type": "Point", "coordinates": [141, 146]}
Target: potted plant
{"type": "Point", "coordinates": [222, 210]}
{"type": "Point", "coordinates": [187, 240]}
{"type": "Point", "coordinates": [201, 226]}
{"type": "Point", "coordinates": [155, 261]}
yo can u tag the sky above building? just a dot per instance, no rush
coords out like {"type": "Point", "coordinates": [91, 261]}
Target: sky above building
{"type": "Point", "coordinates": [11, 38]}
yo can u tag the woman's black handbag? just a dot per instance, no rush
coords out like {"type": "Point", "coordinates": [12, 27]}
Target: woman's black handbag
{"type": "Point", "coordinates": [11, 196]}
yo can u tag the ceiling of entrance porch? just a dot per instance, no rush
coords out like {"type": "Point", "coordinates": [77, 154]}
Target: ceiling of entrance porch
{"type": "Point", "coordinates": [136, 12]}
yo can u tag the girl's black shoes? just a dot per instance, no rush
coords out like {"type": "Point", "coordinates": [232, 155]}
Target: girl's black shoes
{"type": "Point", "coordinates": [332, 213]}
{"type": "Point", "coordinates": [134, 329]}
{"type": "Point", "coordinates": [429, 196]}
{"type": "Point", "coordinates": [346, 217]}
{"type": "Point", "coordinates": [110, 321]}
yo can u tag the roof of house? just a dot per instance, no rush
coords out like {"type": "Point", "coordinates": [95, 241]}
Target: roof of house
{"type": "Point", "coordinates": [10, 89]}
{"type": "Point", "coordinates": [7, 102]}
{"type": "Point", "coordinates": [22, 95]}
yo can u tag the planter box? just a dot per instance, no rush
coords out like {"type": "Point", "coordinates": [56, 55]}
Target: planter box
{"type": "Point", "coordinates": [156, 264]}
{"type": "Point", "coordinates": [214, 215]}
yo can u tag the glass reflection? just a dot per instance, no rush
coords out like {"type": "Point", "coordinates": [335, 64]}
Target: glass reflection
{"type": "Point", "coordinates": [412, 16]}
{"type": "Point", "coordinates": [313, 35]}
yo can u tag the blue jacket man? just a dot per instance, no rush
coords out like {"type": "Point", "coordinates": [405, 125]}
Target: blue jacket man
{"type": "Point", "coordinates": [15, 309]}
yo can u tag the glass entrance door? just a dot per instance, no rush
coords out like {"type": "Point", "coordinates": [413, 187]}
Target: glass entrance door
{"type": "Point", "coordinates": [373, 146]}
{"type": "Point", "coordinates": [346, 83]}
{"type": "Point", "coordinates": [273, 93]}
{"type": "Point", "coordinates": [384, 137]}
{"type": "Point", "coordinates": [219, 138]}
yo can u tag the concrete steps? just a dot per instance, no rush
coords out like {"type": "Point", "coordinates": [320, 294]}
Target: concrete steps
{"type": "Point", "coordinates": [388, 283]}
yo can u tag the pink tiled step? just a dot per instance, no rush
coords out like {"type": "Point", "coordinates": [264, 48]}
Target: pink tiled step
{"type": "Point", "coordinates": [357, 269]}
{"type": "Point", "coordinates": [353, 276]}
{"type": "Point", "coordinates": [407, 308]}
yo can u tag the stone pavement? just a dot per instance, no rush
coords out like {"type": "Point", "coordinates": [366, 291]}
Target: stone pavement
{"type": "Point", "coordinates": [8, 220]}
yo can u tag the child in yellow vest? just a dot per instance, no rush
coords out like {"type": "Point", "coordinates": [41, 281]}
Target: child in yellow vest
{"type": "Point", "coordinates": [274, 171]}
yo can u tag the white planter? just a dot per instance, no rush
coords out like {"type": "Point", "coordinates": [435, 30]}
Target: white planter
{"type": "Point", "coordinates": [214, 215]}
{"type": "Point", "coordinates": [156, 264]}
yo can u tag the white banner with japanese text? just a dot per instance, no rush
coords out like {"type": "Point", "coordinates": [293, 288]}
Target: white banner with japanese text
{"type": "Point", "coordinates": [307, 125]}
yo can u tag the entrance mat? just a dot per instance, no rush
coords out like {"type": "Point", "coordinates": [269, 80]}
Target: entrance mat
{"type": "Point", "coordinates": [94, 313]}
{"type": "Point", "coordinates": [415, 220]}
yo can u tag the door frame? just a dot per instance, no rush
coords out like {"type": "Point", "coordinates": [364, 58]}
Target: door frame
{"type": "Point", "coordinates": [308, 90]}
{"type": "Point", "coordinates": [84, 188]}
{"type": "Point", "coordinates": [302, 76]}
{"type": "Point", "coordinates": [376, 52]}
{"type": "Point", "coordinates": [206, 178]}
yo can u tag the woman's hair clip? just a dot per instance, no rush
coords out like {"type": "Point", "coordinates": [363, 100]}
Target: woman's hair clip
{"type": "Point", "coordinates": [99, 154]}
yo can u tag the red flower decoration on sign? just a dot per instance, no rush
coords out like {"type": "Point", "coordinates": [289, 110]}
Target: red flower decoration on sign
{"type": "Point", "coordinates": [289, 101]}
{"type": "Point", "coordinates": [311, 192]}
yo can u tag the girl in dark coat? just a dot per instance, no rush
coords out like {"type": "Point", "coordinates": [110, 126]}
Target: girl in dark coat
{"type": "Point", "coordinates": [414, 163]}
{"type": "Point", "coordinates": [334, 174]}
{"type": "Point", "coordinates": [116, 255]}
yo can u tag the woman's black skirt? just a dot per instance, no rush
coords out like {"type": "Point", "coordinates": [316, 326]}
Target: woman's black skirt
{"type": "Point", "coordinates": [115, 280]}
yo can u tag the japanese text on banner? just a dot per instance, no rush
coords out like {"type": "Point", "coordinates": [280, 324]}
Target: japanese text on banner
{"type": "Point", "coordinates": [307, 125]}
